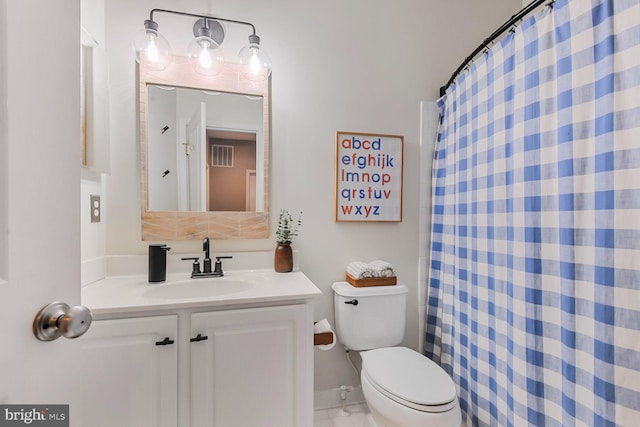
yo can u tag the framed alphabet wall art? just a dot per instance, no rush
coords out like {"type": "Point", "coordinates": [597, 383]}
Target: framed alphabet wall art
{"type": "Point", "coordinates": [368, 177]}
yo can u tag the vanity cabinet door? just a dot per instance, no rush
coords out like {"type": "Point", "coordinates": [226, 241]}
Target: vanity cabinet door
{"type": "Point", "coordinates": [252, 367]}
{"type": "Point", "coordinates": [130, 373]}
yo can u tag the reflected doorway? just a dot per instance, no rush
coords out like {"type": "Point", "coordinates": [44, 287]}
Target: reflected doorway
{"type": "Point", "coordinates": [231, 170]}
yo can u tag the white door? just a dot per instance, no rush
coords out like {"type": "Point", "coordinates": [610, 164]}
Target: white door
{"type": "Point", "coordinates": [197, 168]}
{"type": "Point", "coordinates": [39, 190]}
{"type": "Point", "coordinates": [250, 192]}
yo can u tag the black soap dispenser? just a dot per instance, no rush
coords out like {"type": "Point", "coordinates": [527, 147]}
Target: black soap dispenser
{"type": "Point", "coordinates": [158, 263]}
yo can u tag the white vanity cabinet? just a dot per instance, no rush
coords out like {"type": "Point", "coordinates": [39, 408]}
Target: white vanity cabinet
{"type": "Point", "coordinates": [246, 367]}
{"type": "Point", "coordinates": [254, 368]}
{"type": "Point", "coordinates": [239, 358]}
{"type": "Point", "coordinates": [129, 372]}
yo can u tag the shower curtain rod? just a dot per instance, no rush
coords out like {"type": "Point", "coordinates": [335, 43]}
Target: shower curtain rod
{"type": "Point", "coordinates": [497, 33]}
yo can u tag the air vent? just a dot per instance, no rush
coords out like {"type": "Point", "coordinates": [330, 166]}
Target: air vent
{"type": "Point", "coordinates": [222, 156]}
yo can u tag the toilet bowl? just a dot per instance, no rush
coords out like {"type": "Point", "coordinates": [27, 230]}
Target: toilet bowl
{"type": "Point", "coordinates": [402, 387]}
{"type": "Point", "coordinates": [405, 389]}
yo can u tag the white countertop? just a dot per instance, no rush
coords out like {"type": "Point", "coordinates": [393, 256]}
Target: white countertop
{"type": "Point", "coordinates": [125, 294]}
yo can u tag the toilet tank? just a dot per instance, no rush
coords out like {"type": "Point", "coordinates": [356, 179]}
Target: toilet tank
{"type": "Point", "coordinates": [369, 317]}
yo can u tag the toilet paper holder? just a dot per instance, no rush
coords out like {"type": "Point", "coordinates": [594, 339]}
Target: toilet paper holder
{"type": "Point", "coordinates": [322, 338]}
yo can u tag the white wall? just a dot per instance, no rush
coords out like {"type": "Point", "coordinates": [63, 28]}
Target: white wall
{"type": "Point", "coordinates": [163, 190]}
{"type": "Point", "coordinates": [361, 66]}
{"type": "Point", "coordinates": [93, 234]}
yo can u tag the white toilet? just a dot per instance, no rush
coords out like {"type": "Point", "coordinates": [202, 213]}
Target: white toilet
{"type": "Point", "coordinates": [402, 388]}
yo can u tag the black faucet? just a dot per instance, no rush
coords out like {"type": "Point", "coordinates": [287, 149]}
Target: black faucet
{"type": "Point", "coordinates": [217, 271]}
{"type": "Point", "coordinates": [206, 263]}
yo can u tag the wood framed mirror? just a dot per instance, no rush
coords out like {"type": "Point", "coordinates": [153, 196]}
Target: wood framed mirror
{"type": "Point", "coordinates": [204, 151]}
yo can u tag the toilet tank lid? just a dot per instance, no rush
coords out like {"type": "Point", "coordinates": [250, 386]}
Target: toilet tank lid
{"type": "Point", "coordinates": [346, 290]}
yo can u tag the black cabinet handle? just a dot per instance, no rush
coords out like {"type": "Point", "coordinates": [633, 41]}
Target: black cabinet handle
{"type": "Point", "coordinates": [199, 337]}
{"type": "Point", "coordinates": [352, 302]}
{"type": "Point", "coordinates": [165, 341]}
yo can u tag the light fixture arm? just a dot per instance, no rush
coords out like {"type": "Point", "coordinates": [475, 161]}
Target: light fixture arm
{"type": "Point", "coordinates": [204, 17]}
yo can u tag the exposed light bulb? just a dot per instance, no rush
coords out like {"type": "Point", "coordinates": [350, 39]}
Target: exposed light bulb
{"type": "Point", "coordinates": [254, 61]}
{"type": "Point", "coordinates": [254, 64]}
{"type": "Point", "coordinates": [152, 49]}
{"type": "Point", "coordinates": [205, 58]}
{"type": "Point", "coordinates": [205, 55]}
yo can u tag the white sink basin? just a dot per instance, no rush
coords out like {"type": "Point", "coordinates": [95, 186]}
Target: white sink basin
{"type": "Point", "coordinates": [199, 288]}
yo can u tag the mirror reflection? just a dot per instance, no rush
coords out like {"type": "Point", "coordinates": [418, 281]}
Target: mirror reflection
{"type": "Point", "coordinates": [192, 129]}
{"type": "Point", "coordinates": [204, 150]}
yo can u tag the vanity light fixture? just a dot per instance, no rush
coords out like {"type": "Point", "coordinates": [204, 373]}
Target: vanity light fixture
{"type": "Point", "coordinates": [152, 49]}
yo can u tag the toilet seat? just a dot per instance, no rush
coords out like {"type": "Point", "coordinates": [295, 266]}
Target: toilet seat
{"type": "Point", "coordinates": [409, 378]}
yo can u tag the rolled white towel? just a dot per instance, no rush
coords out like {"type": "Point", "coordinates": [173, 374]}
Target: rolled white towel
{"type": "Point", "coordinates": [382, 268]}
{"type": "Point", "coordinates": [360, 270]}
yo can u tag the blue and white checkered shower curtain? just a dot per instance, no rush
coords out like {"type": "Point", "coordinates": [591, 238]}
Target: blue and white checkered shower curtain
{"type": "Point", "coordinates": [534, 289]}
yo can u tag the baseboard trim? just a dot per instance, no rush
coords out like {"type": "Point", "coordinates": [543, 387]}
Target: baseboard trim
{"type": "Point", "coordinates": [92, 270]}
{"type": "Point", "coordinates": [327, 399]}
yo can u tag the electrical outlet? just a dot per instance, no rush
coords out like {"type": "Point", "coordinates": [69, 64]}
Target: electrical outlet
{"type": "Point", "coordinates": [95, 208]}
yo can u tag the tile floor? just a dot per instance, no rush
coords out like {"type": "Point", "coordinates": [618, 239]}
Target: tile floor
{"type": "Point", "coordinates": [333, 418]}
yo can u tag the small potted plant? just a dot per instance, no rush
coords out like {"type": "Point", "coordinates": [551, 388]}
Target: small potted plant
{"type": "Point", "coordinates": [287, 230]}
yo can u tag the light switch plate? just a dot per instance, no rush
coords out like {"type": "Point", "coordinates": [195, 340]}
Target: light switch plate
{"type": "Point", "coordinates": [95, 208]}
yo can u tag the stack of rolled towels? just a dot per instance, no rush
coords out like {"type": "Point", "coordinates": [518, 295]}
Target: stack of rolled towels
{"type": "Point", "coordinates": [377, 268]}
